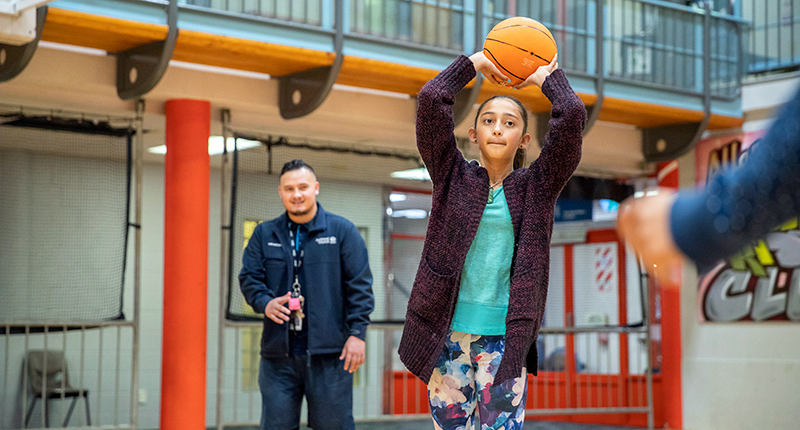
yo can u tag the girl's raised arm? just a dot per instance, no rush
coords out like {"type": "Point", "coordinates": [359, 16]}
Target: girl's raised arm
{"type": "Point", "coordinates": [561, 149]}
{"type": "Point", "coordinates": [435, 139]}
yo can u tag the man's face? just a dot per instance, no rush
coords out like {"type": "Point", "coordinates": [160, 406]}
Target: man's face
{"type": "Point", "coordinates": [298, 191]}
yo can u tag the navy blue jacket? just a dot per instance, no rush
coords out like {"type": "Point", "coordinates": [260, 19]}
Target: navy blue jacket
{"type": "Point", "coordinates": [339, 282]}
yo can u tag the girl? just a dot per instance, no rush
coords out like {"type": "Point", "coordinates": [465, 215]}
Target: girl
{"type": "Point", "coordinates": [479, 294]}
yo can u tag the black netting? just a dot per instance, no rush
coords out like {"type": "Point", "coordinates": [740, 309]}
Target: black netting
{"type": "Point", "coordinates": [255, 198]}
{"type": "Point", "coordinates": [395, 246]}
{"type": "Point", "coordinates": [63, 219]}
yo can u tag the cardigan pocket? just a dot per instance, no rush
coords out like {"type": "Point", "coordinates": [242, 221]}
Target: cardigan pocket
{"type": "Point", "coordinates": [431, 295]}
{"type": "Point", "coordinates": [524, 286]}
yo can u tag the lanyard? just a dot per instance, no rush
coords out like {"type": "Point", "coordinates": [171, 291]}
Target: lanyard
{"type": "Point", "coordinates": [297, 256]}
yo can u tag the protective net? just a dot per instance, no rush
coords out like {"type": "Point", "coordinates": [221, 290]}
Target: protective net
{"type": "Point", "coordinates": [351, 186]}
{"type": "Point", "coordinates": [63, 219]}
{"type": "Point", "coordinates": [393, 218]}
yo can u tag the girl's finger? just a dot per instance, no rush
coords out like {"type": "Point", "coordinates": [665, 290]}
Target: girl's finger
{"type": "Point", "coordinates": [494, 70]}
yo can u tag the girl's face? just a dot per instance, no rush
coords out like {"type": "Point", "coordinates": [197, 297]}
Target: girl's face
{"type": "Point", "coordinates": [499, 130]}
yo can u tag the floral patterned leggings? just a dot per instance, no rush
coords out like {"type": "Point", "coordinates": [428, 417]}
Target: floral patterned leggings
{"type": "Point", "coordinates": [463, 381]}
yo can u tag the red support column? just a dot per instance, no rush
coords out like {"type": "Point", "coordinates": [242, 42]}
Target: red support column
{"type": "Point", "coordinates": [570, 376]}
{"type": "Point", "coordinates": [622, 291]}
{"type": "Point", "coordinates": [671, 350]}
{"type": "Point", "coordinates": [183, 365]}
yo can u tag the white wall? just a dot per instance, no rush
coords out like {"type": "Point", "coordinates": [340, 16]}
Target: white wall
{"type": "Point", "coordinates": [739, 376]}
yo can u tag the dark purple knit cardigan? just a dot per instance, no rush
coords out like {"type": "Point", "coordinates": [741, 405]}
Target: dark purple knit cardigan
{"type": "Point", "coordinates": [460, 192]}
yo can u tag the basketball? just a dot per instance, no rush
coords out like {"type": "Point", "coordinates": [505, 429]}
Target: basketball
{"type": "Point", "coordinates": [518, 46]}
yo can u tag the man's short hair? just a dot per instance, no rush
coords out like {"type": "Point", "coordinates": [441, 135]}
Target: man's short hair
{"type": "Point", "coordinates": [296, 165]}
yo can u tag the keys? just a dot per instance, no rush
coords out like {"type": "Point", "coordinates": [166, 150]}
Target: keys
{"type": "Point", "coordinates": [296, 302]}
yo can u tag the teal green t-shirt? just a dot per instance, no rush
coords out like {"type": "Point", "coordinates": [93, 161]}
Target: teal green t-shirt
{"type": "Point", "coordinates": [486, 278]}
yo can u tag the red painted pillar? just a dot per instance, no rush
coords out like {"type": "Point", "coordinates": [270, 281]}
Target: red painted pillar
{"type": "Point", "coordinates": [671, 350]}
{"type": "Point", "coordinates": [570, 376]}
{"type": "Point", "coordinates": [183, 363]}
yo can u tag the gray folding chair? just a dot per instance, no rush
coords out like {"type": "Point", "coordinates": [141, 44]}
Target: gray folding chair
{"type": "Point", "coordinates": [52, 382]}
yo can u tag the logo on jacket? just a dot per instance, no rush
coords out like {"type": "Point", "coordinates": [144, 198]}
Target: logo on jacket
{"type": "Point", "coordinates": [277, 245]}
{"type": "Point", "coordinates": [329, 240]}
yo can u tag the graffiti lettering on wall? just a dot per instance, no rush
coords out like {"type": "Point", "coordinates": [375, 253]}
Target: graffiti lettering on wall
{"type": "Point", "coordinates": [759, 283]}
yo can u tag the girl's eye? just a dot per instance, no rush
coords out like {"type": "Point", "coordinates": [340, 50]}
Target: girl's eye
{"type": "Point", "coordinates": [488, 121]}
{"type": "Point", "coordinates": [509, 123]}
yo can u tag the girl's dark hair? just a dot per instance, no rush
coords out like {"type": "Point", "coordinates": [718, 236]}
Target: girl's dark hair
{"type": "Point", "coordinates": [519, 157]}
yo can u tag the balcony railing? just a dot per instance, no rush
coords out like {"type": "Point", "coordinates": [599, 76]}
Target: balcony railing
{"type": "Point", "coordinates": [653, 43]}
{"type": "Point", "coordinates": [297, 11]}
{"type": "Point", "coordinates": [774, 42]}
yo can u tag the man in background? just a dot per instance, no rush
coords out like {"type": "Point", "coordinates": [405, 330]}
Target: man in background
{"type": "Point", "coordinates": [308, 272]}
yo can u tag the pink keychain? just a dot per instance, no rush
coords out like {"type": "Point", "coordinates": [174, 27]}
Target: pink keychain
{"type": "Point", "coordinates": [296, 306]}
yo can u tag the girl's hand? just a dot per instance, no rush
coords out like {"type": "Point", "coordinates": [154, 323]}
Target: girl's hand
{"type": "Point", "coordinates": [489, 70]}
{"type": "Point", "coordinates": [538, 77]}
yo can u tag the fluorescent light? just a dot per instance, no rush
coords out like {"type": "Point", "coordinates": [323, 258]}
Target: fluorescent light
{"type": "Point", "coordinates": [371, 91]}
{"type": "Point", "coordinates": [410, 214]}
{"type": "Point", "coordinates": [397, 197]}
{"type": "Point", "coordinates": [73, 48]}
{"type": "Point", "coordinates": [160, 149]}
{"type": "Point", "coordinates": [214, 145]}
{"type": "Point", "coordinates": [216, 69]}
{"type": "Point", "coordinates": [418, 174]}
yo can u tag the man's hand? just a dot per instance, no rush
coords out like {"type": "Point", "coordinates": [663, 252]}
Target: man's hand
{"type": "Point", "coordinates": [645, 224]}
{"type": "Point", "coordinates": [276, 309]}
{"type": "Point", "coordinates": [353, 354]}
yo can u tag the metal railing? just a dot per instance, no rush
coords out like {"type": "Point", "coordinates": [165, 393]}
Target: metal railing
{"type": "Point", "coordinates": [774, 41]}
{"type": "Point", "coordinates": [98, 359]}
{"type": "Point", "coordinates": [425, 23]}
{"type": "Point", "coordinates": [594, 370]}
{"type": "Point", "coordinates": [601, 370]}
{"type": "Point", "coordinates": [657, 44]}
{"type": "Point", "coordinates": [599, 380]}
{"type": "Point", "coordinates": [381, 388]}
{"type": "Point", "coordinates": [98, 364]}
{"type": "Point", "coordinates": [297, 11]}
{"type": "Point", "coordinates": [661, 44]}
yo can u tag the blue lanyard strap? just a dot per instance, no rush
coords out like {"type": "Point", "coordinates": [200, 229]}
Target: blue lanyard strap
{"type": "Point", "coordinates": [297, 255]}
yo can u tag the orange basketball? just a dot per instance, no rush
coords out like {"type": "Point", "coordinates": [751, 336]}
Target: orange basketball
{"type": "Point", "coordinates": [518, 46]}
